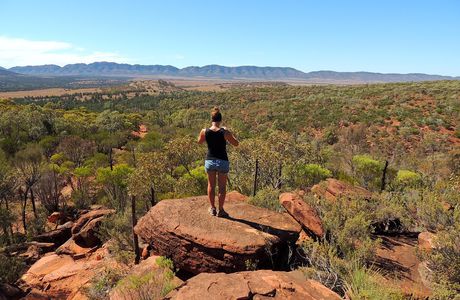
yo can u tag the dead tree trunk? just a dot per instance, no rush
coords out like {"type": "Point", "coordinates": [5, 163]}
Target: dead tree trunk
{"type": "Point", "coordinates": [110, 159]}
{"type": "Point", "coordinates": [152, 196]}
{"type": "Point", "coordinates": [137, 255]}
{"type": "Point", "coordinates": [32, 199]}
{"type": "Point", "coordinates": [384, 175]}
{"type": "Point", "coordinates": [256, 174]}
{"type": "Point", "coordinates": [24, 205]}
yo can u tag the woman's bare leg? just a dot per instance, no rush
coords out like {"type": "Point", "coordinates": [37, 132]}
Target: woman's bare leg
{"type": "Point", "coordinates": [212, 188]}
{"type": "Point", "coordinates": [222, 182]}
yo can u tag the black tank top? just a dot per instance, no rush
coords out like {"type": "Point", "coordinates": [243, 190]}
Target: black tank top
{"type": "Point", "coordinates": [217, 145]}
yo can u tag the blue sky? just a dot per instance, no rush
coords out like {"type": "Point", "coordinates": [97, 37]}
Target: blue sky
{"type": "Point", "coordinates": [379, 36]}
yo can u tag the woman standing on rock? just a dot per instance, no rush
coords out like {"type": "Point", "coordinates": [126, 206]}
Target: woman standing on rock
{"type": "Point", "coordinates": [216, 162]}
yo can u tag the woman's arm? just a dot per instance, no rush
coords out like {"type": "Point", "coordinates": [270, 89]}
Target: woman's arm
{"type": "Point", "coordinates": [202, 137]}
{"type": "Point", "coordinates": [231, 138]}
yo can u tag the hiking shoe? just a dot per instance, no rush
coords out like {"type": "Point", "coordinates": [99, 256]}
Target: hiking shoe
{"type": "Point", "coordinates": [212, 211]}
{"type": "Point", "coordinates": [221, 213]}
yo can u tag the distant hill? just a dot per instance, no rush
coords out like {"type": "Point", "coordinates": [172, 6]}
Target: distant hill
{"type": "Point", "coordinates": [5, 72]}
{"type": "Point", "coordinates": [11, 81]}
{"type": "Point", "coordinates": [221, 72]}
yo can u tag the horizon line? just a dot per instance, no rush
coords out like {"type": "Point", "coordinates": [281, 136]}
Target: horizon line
{"type": "Point", "coordinates": [235, 66]}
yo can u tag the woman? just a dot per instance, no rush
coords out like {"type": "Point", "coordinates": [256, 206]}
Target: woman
{"type": "Point", "coordinates": [216, 162]}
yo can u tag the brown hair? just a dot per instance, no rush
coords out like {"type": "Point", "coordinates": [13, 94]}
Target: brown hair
{"type": "Point", "coordinates": [216, 116]}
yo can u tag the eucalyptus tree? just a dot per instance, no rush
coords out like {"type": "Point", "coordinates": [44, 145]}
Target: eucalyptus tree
{"type": "Point", "coordinates": [28, 163]}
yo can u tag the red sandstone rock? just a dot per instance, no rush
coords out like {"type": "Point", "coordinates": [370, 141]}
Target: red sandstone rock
{"type": "Point", "coordinates": [302, 212]}
{"type": "Point", "coordinates": [303, 238]}
{"type": "Point", "coordinates": [145, 253]}
{"type": "Point", "coordinates": [183, 230]}
{"type": "Point", "coordinates": [87, 217]}
{"type": "Point", "coordinates": [61, 277]}
{"type": "Point", "coordinates": [262, 284]}
{"type": "Point", "coordinates": [84, 229]}
{"type": "Point", "coordinates": [332, 188]}
{"type": "Point", "coordinates": [426, 241]}
{"type": "Point", "coordinates": [55, 217]}
{"type": "Point", "coordinates": [235, 196]}
{"type": "Point", "coordinates": [72, 248]}
{"type": "Point", "coordinates": [397, 259]}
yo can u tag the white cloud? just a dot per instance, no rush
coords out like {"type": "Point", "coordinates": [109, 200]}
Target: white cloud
{"type": "Point", "coordinates": [22, 52]}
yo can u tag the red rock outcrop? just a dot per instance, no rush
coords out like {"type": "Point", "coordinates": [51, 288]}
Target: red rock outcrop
{"type": "Point", "coordinates": [332, 188]}
{"type": "Point", "coordinates": [397, 259]}
{"type": "Point", "coordinates": [84, 229]}
{"type": "Point", "coordinates": [262, 284]}
{"type": "Point", "coordinates": [61, 277]}
{"type": "Point", "coordinates": [55, 217]}
{"type": "Point", "coordinates": [183, 230]}
{"type": "Point", "coordinates": [426, 241]}
{"type": "Point", "coordinates": [236, 196]}
{"type": "Point", "coordinates": [303, 213]}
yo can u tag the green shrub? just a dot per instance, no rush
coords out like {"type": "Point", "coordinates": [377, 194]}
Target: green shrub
{"type": "Point", "coordinates": [330, 136]}
{"type": "Point", "coordinates": [164, 262]}
{"type": "Point", "coordinates": [116, 229]}
{"type": "Point", "coordinates": [366, 283]}
{"type": "Point", "coordinates": [430, 212]}
{"type": "Point", "coordinates": [444, 262]}
{"type": "Point", "coordinates": [368, 170]}
{"type": "Point", "coordinates": [101, 285]}
{"type": "Point", "coordinates": [407, 178]}
{"type": "Point", "coordinates": [11, 268]}
{"type": "Point", "coordinates": [154, 285]}
{"type": "Point", "coordinates": [192, 184]}
{"type": "Point", "coordinates": [115, 183]}
{"type": "Point", "coordinates": [324, 265]}
{"type": "Point", "coordinates": [267, 198]}
{"type": "Point", "coordinates": [348, 222]}
{"type": "Point", "coordinates": [36, 226]}
{"type": "Point", "coordinates": [7, 218]}
{"type": "Point", "coordinates": [306, 175]}
{"type": "Point", "coordinates": [81, 199]}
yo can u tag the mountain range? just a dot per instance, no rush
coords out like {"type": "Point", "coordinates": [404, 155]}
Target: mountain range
{"type": "Point", "coordinates": [110, 69]}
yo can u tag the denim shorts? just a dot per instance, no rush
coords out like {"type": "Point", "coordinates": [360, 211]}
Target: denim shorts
{"type": "Point", "coordinates": [219, 165]}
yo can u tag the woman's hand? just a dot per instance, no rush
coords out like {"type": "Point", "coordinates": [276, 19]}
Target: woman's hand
{"type": "Point", "coordinates": [231, 138]}
{"type": "Point", "coordinates": [202, 137]}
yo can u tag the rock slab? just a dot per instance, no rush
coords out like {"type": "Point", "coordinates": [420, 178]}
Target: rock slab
{"type": "Point", "coordinates": [303, 213]}
{"type": "Point", "coordinates": [426, 241]}
{"type": "Point", "coordinates": [262, 284]}
{"type": "Point", "coordinates": [331, 189]}
{"type": "Point", "coordinates": [197, 242]}
{"type": "Point", "coordinates": [85, 228]}
{"type": "Point", "coordinates": [62, 277]}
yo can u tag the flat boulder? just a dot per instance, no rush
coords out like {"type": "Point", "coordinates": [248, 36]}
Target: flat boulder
{"type": "Point", "coordinates": [73, 249]}
{"type": "Point", "coordinates": [303, 213]}
{"type": "Point", "coordinates": [261, 284]}
{"type": "Point", "coordinates": [331, 189]}
{"type": "Point", "coordinates": [426, 241]}
{"type": "Point", "coordinates": [401, 267]}
{"type": "Point", "coordinates": [57, 276]}
{"type": "Point", "coordinates": [197, 242]}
